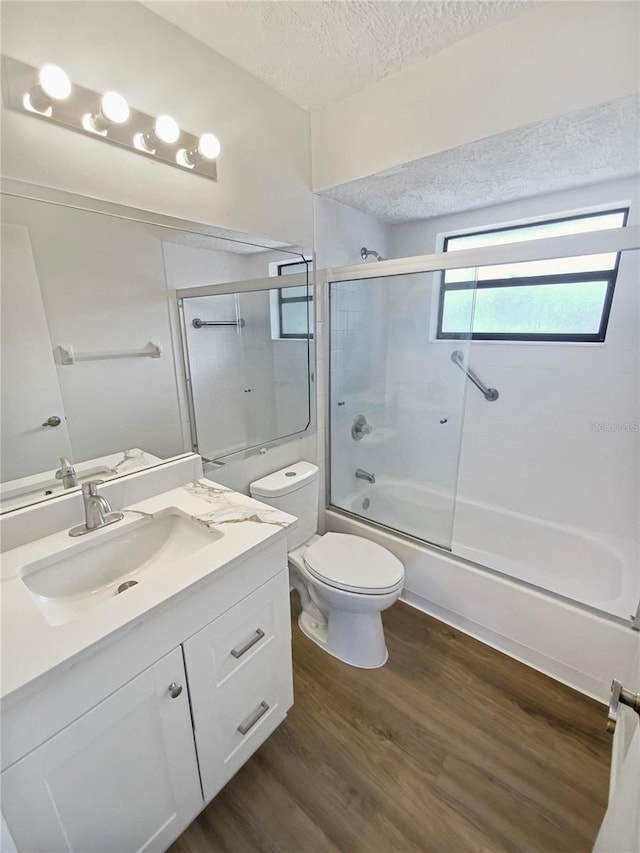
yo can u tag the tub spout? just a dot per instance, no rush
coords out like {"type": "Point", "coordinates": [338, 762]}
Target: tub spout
{"type": "Point", "coordinates": [361, 474]}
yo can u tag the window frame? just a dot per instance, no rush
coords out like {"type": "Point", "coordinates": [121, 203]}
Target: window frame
{"type": "Point", "coordinates": [289, 300]}
{"type": "Point", "coordinates": [609, 276]}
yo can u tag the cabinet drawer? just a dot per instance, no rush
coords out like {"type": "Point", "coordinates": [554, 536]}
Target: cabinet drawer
{"type": "Point", "coordinates": [238, 700]}
{"type": "Point", "coordinates": [245, 631]}
{"type": "Point", "coordinates": [245, 703]}
{"type": "Point", "coordinates": [231, 722]}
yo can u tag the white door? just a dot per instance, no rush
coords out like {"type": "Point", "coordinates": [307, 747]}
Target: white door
{"type": "Point", "coordinates": [30, 390]}
{"type": "Point", "coordinates": [124, 777]}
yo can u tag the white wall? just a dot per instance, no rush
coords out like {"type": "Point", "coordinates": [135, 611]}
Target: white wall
{"type": "Point", "coordinates": [558, 57]}
{"type": "Point", "coordinates": [341, 231]}
{"type": "Point", "coordinates": [264, 167]}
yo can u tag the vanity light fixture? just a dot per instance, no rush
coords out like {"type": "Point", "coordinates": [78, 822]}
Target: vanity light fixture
{"type": "Point", "coordinates": [47, 93]}
{"type": "Point", "coordinates": [165, 131]}
{"type": "Point", "coordinates": [114, 109]}
{"type": "Point", "coordinates": [53, 85]}
{"type": "Point", "coordinates": [208, 148]}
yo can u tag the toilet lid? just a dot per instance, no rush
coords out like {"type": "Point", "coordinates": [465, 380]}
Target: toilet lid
{"type": "Point", "coordinates": [353, 563]}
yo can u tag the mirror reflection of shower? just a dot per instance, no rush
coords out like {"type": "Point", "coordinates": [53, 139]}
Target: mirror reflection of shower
{"type": "Point", "coordinates": [364, 254]}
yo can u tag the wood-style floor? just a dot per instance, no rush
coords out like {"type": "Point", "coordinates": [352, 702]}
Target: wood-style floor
{"type": "Point", "coordinates": [451, 746]}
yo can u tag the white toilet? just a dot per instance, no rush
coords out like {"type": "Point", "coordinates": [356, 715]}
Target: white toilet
{"type": "Point", "coordinates": [344, 581]}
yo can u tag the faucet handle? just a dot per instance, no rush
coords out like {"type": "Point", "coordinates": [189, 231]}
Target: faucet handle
{"type": "Point", "coordinates": [90, 488]}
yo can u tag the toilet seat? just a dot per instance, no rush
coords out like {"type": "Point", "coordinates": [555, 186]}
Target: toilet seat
{"type": "Point", "coordinates": [354, 564]}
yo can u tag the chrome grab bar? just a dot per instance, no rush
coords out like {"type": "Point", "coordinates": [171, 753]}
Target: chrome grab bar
{"type": "Point", "coordinates": [490, 394]}
{"type": "Point", "coordinates": [198, 324]}
{"type": "Point", "coordinates": [620, 696]}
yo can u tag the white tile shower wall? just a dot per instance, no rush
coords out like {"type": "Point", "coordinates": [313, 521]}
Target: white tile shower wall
{"type": "Point", "coordinates": [103, 288]}
{"type": "Point", "coordinates": [537, 450]}
{"type": "Point", "coordinates": [358, 381]}
{"type": "Point", "coordinates": [357, 340]}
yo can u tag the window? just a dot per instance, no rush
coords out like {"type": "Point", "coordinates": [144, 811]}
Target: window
{"type": "Point", "coordinates": [566, 299]}
{"type": "Point", "coordinates": [294, 304]}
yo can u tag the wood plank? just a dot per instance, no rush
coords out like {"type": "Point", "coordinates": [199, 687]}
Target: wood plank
{"type": "Point", "coordinates": [452, 746]}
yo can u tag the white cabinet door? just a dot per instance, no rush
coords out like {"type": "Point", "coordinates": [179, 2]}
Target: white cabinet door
{"type": "Point", "coordinates": [124, 777]}
{"type": "Point", "coordinates": [240, 681]}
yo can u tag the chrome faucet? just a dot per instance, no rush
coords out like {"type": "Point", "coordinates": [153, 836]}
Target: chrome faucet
{"type": "Point", "coordinates": [97, 510]}
{"type": "Point", "coordinates": [67, 473]}
{"type": "Point", "coordinates": [361, 474]}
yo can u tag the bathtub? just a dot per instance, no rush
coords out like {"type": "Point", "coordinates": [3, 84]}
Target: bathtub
{"type": "Point", "coordinates": [597, 571]}
{"type": "Point", "coordinates": [524, 598]}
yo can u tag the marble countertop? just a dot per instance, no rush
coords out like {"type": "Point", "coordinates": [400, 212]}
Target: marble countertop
{"type": "Point", "coordinates": [32, 646]}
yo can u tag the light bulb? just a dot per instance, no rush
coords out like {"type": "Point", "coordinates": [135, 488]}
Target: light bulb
{"type": "Point", "coordinates": [53, 85]}
{"type": "Point", "coordinates": [113, 110]}
{"type": "Point", "coordinates": [54, 82]}
{"type": "Point", "coordinates": [165, 130]}
{"type": "Point", "coordinates": [208, 148]}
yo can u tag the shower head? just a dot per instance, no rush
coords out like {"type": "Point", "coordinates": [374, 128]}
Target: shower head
{"type": "Point", "coordinates": [364, 254]}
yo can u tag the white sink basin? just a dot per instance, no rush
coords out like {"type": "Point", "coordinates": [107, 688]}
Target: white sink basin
{"type": "Point", "coordinates": [68, 583]}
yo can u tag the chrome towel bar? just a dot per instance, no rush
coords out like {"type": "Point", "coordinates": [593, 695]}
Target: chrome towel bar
{"type": "Point", "coordinates": [67, 355]}
{"type": "Point", "coordinates": [198, 324]}
{"type": "Point", "coordinates": [490, 394]}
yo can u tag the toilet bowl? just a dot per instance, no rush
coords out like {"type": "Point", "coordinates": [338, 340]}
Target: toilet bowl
{"type": "Point", "coordinates": [344, 581]}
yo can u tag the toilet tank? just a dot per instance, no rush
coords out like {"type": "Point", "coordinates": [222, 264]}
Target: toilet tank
{"type": "Point", "coordinates": [295, 490]}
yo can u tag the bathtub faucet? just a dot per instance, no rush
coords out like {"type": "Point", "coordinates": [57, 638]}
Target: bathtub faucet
{"type": "Point", "coordinates": [361, 474]}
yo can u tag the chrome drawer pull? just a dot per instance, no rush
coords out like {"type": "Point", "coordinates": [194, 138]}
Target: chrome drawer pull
{"type": "Point", "coordinates": [248, 724]}
{"type": "Point", "coordinates": [259, 634]}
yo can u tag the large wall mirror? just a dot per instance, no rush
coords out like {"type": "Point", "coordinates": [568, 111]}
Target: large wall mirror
{"type": "Point", "coordinates": [97, 368]}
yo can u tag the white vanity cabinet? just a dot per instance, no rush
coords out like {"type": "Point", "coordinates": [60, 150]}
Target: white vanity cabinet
{"type": "Point", "coordinates": [240, 680]}
{"type": "Point", "coordinates": [116, 753]}
{"type": "Point", "coordinates": [124, 776]}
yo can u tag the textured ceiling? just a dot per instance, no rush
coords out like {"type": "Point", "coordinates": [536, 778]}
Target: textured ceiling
{"type": "Point", "coordinates": [582, 147]}
{"type": "Point", "coordinates": [316, 52]}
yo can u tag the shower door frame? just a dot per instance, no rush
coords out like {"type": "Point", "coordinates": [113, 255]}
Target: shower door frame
{"type": "Point", "coordinates": [622, 239]}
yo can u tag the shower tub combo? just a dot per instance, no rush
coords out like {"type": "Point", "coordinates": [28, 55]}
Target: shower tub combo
{"type": "Point", "coordinates": [406, 411]}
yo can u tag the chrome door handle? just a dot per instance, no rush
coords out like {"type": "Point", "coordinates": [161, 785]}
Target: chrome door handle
{"type": "Point", "coordinates": [258, 635]}
{"type": "Point", "coordinates": [53, 421]}
{"type": "Point", "coordinates": [250, 722]}
{"type": "Point", "coordinates": [175, 689]}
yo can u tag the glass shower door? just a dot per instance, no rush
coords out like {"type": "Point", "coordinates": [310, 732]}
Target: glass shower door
{"type": "Point", "coordinates": [397, 396]}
